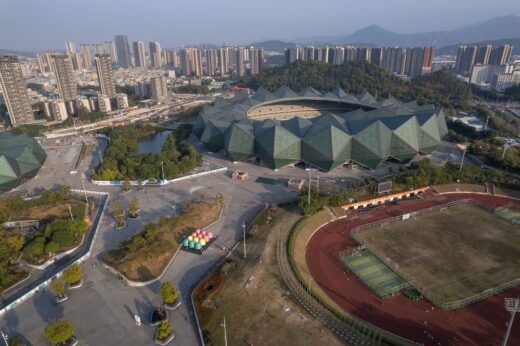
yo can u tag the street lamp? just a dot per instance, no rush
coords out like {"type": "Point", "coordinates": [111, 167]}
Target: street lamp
{"type": "Point", "coordinates": [513, 306]}
{"type": "Point", "coordinates": [244, 233]}
{"type": "Point", "coordinates": [174, 210]}
{"type": "Point", "coordinates": [225, 331]}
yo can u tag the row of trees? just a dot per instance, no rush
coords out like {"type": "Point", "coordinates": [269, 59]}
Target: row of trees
{"type": "Point", "coordinates": [121, 159]}
{"type": "Point", "coordinates": [419, 174]}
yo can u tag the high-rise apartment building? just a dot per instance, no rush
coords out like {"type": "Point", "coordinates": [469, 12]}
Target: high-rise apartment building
{"type": "Point", "coordinates": [158, 88]}
{"type": "Point", "coordinates": [70, 47]}
{"type": "Point", "coordinates": [62, 68]}
{"type": "Point", "coordinates": [123, 51]}
{"type": "Point", "coordinates": [413, 61]}
{"type": "Point", "coordinates": [428, 54]}
{"type": "Point", "coordinates": [185, 62]}
{"type": "Point", "coordinates": [500, 55]}
{"type": "Point", "coordinates": [172, 59]}
{"type": "Point", "coordinates": [77, 61]}
{"type": "Point", "coordinates": [105, 75]}
{"type": "Point", "coordinates": [363, 54]}
{"type": "Point", "coordinates": [211, 61]}
{"type": "Point", "coordinates": [110, 48]}
{"type": "Point", "coordinates": [256, 59]}
{"type": "Point", "coordinates": [482, 56]}
{"type": "Point", "coordinates": [240, 69]}
{"type": "Point", "coordinates": [13, 88]}
{"type": "Point", "coordinates": [155, 55]}
{"type": "Point", "coordinates": [376, 56]}
{"type": "Point", "coordinates": [394, 60]}
{"type": "Point", "coordinates": [223, 60]}
{"type": "Point", "coordinates": [465, 58]}
{"type": "Point", "coordinates": [139, 54]}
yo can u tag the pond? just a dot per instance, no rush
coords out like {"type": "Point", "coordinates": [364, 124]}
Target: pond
{"type": "Point", "coordinates": [152, 144]}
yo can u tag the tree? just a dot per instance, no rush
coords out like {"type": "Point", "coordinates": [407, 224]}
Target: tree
{"type": "Point", "coordinates": [119, 214]}
{"type": "Point", "coordinates": [58, 287]}
{"type": "Point", "coordinates": [163, 331]}
{"type": "Point", "coordinates": [58, 331]}
{"type": "Point", "coordinates": [72, 274]}
{"type": "Point", "coordinates": [16, 341]}
{"type": "Point", "coordinates": [168, 292]}
{"type": "Point", "coordinates": [126, 184]}
{"type": "Point", "coordinates": [133, 208]}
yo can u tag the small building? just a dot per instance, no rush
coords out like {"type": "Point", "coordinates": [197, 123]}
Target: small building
{"type": "Point", "coordinates": [295, 183]}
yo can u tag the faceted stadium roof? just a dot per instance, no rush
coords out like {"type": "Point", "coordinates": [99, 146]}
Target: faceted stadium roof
{"type": "Point", "coordinates": [20, 158]}
{"type": "Point", "coordinates": [371, 132]}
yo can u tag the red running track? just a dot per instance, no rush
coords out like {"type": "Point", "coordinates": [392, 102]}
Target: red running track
{"type": "Point", "coordinates": [481, 323]}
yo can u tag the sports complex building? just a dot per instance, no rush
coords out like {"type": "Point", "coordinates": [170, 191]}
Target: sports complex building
{"type": "Point", "coordinates": [21, 157]}
{"type": "Point", "coordinates": [322, 130]}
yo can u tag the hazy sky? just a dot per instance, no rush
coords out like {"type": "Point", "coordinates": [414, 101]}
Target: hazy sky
{"type": "Point", "coordinates": [45, 24]}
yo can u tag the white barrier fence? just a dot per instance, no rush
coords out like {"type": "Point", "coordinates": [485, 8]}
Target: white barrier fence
{"type": "Point", "coordinates": [45, 283]}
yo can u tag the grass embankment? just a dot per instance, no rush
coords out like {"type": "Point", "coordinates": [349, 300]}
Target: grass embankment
{"type": "Point", "coordinates": [145, 256]}
{"type": "Point", "coordinates": [252, 296]}
{"type": "Point", "coordinates": [85, 149]}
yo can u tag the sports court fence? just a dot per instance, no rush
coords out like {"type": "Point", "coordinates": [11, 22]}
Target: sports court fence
{"type": "Point", "coordinates": [429, 291]}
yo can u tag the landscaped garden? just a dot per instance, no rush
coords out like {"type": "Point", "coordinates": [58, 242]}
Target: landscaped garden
{"type": "Point", "coordinates": [146, 254]}
{"type": "Point", "coordinates": [37, 229]}
{"type": "Point", "coordinates": [121, 159]}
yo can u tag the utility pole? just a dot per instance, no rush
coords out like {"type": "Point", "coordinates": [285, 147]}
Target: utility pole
{"type": "Point", "coordinates": [100, 156]}
{"type": "Point", "coordinates": [504, 152]}
{"type": "Point", "coordinates": [309, 190]}
{"type": "Point", "coordinates": [512, 305]}
{"type": "Point", "coordinates": [225, 331]}
{"type": "Point", "coordinates": [485, 126]}
{"type": "Point", "coordinates": [244, 233]}
{"type": "Point", "coordinates": [174, 210]}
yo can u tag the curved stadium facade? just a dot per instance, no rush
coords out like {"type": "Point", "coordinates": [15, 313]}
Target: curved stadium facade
{"type": "Point", "coordinates": [322, 130]}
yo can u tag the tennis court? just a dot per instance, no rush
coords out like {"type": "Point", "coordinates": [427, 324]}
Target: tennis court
{"type": "Point", "coordinates": [374, 273]}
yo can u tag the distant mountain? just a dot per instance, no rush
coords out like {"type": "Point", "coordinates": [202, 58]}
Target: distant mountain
{"type": "Point", "coordinates": [492, 29]}
{"type": "Point", "coordinates": [14, 52]}
{"type": "Point", "coordinates": [452, 50]}
{"type": "Point", "coordinates": [274, 45]}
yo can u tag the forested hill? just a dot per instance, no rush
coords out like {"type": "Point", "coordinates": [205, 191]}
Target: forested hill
{"type": "Point", "coordinates": [439, 88]}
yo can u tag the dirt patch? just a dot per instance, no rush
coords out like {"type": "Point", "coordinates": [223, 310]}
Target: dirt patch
{"type": "Point", "coordinates": [58, 210]}
{"type": "Point", "coordinates": [254, 299]}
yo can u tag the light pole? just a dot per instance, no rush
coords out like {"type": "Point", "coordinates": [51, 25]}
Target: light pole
{"type": "Point", "coordinates": [513, 306]}
{"type": "Point", "coordinates": [225, 331]}
{"type": "Point", "coordinates": [244, 233]}
{"type": "Point", "coordinates": [4, 337]}
{"type": "Point", "coordinates": [174, 210]}
{"type": "Point", "coordinates": [462, 160]}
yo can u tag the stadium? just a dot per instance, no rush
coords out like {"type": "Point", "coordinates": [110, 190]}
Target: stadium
{"type": "Point", "coordinates": [21, 157]}
{"type": "Point", "coordinates": [321, 130]}
{"type": "Point", "coordinates": [435, 268]}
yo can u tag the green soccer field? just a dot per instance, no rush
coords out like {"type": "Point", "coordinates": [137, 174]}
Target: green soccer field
{"type": "Point", "coordinates": [453, 257]}
{"type": "Point", "coordinates": [373, 273]}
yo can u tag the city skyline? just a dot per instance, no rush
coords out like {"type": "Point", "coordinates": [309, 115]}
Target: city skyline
{"type": "Point", "coordinates": [217, 25]}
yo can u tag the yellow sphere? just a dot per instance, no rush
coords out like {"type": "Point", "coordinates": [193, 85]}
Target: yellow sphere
{"type": "Point", "coordinates": [190, 238]}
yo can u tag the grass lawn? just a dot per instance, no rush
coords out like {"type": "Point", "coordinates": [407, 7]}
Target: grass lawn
{"type": "Point", "coordinates": [147, 253]}
{"type": "Point", "coordinates": [450, 255]}
{"type": "Point", "coordinates": [251, 295]}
